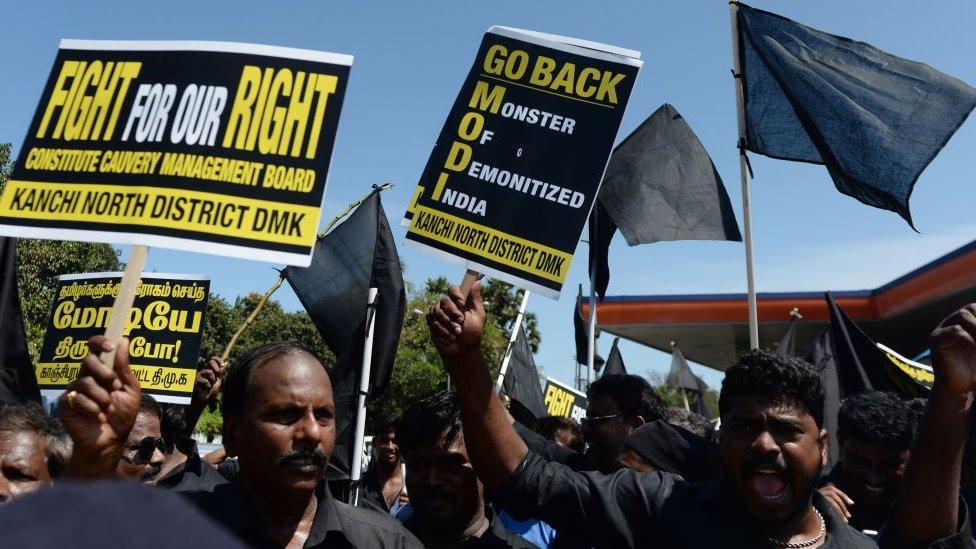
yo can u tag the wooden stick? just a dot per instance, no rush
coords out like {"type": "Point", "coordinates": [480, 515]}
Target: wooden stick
{"type": "Point", "coordinates": [123, 302]}
{"type": "Point", "coordinates": [470, 277]}
{"type": "Point", "coordinates": [251, 318]}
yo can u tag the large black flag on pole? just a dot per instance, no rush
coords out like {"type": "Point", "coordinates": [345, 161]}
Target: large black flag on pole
{"type": "Point", "coordinates": [873, 119]}
{"type": "Point", "coordinates": [360, 253]}
{"type": "Point", "coordinates": [660, 185]}
{"type": "Point", "coordinates": [522, 378]}
{"type": "Point", "coordinates": [17, 381]}
{"type": "Point", "coordinates": [615, 361]}
{"type": "Point", "coordinates": [863, 366]}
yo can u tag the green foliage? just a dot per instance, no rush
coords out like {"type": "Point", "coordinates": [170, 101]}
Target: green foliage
{"type": "Point", "coordinates": [211, 422]}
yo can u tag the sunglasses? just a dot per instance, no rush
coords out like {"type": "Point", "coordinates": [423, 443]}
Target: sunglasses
{"type": "Point", "coordinates": [591, 421]}
{"type": "Point", "coordinates": [143, 449]}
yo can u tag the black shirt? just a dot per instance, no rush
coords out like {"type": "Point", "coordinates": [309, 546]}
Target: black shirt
{"type": "Point", "coordinates": [193, 474]}
{"type": "Point", "coordinates": [336, 525]}
{"type": "Point", "coordinates": [649, 510]}
{"type": "Point", "coordinates": [495, 537]}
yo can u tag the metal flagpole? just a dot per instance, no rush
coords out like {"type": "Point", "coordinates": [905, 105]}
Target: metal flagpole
{"type": "Point", "coordinates": [744, 175]}
{"type": "Point", "coordinates": [355, 472]}
{"type": "Point", "coordinates": [516, 327]}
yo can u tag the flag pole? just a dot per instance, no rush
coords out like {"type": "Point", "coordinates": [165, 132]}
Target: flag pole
{"type": "Point", "coordinates": [121, 307]}
{"type": "Point", "coordinates": [744, 175]}
{"type": "Point", "coordinates": [355, 472]}
{"type": "Point", "coordinates": [516, 327]}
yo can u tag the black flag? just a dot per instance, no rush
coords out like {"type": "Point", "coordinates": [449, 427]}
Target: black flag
{"type": "Point", "coordinates": [521, 381]}
{"type": "Point", "coordinates": [875, 120]}
{"type": "Point", "coordinates": [358, 254]}
{"type": "Point", "coordinates": [787, 344]}
{"type": "Point", "coordinates": [615, 362]}
{"type": "Point", "coordinates": [821, 355]}
{"type": "Point", "coordinates": [580, 325]}
{"type": "Point", "coordinates": [861, 365]}
{"type": "Point", "coordinates": [17, 381]}
{"type": "Point", "coordinates": [681, 375]}
{"type": "Point", "coordinates": [660, 185]}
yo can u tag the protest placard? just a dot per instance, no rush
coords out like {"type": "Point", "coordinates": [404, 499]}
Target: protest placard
{"type": "Point", "coordinates": [518, 163]}
{"type": "Point", "coordinates": [562, 400]}
{"type": "Point", "coordinates": [165, 329]}
{"type": "Point", "coordinates": [210, 147]}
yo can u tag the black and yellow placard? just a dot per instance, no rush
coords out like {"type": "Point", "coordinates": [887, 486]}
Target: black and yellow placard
{"type": "Point", "coordinates": [165, 330]}
{"type": "Point", "coordinates": [519, 161]}
{"type": "Point", "coordinates": [204, 146]}
{"type": "Point", "coordinates": [562, 400]}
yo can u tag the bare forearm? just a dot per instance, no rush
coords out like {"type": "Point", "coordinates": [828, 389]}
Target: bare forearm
{"type": "Point", "coordinates": [494, 447]}
{"type": "Point", "coordinates": [933, 473]}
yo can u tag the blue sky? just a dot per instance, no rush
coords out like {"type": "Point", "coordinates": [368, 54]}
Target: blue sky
{"type": "Point", "coordinates": [411, 57]}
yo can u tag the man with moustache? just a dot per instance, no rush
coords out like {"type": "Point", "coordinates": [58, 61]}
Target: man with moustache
{"type": "Point", "coordinates": [279, 420]}
{"type": "Point", "coordinates": [143, 458]}
{"type": "Point", "coordinates": [772, 449]}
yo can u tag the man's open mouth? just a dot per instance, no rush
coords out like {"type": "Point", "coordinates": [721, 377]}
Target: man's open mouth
{"type": "Point", "coordinates": [769, 485]}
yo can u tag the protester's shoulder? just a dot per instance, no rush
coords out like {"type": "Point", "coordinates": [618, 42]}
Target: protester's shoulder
{"type": "Point", "coordinates": [372, 526]}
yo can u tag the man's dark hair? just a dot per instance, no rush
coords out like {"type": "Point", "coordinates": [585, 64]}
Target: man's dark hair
{"type": "Point", "coordinates": [876, 416]}
{"type": "Point", "coordinates": [384, 422]}
{"type": "Point", "coordinates": [633, 394]}
{"type": "Point", "coordinates": [148, 405]}
{"type": "Point", "coordinates": [686, 419]}
{"type": "Point", "coordinates": [426, 421]}
{"type": "Point", "coordinates": [780, 378]}
{"type": "Point", "coordinates": [173, 425]}
{"type": "Point", "coordinates": [234, 391]}
{"type": "Point", "coordinates": [548, 426]}
{"type": "Point", "coordinates": [30, 417]}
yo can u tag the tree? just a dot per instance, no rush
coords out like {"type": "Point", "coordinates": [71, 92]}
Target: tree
{"type": "Point", "coordinates": [40, 262]}
{"type": "Point", "coordinates": [418, 370]}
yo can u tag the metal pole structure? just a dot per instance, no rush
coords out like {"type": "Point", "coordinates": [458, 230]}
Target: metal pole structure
{"type": "Point", "coordinates": [516, 327]}
{"type": "Point", "coordinates": [744, 175]}
{"type": "Point", "coordinates": [355, 472]}
{"type": "Point", "coordinates": [591, 328]}
{"type": "Point", "coordinates": [684, 398]}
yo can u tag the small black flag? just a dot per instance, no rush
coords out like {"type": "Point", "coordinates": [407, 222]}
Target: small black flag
{"type": "Point", "coordinates": [360, 253]}
{"type": "Point", "coordinates": [521, 381]}
{"type": "Point", "coordinates": [580, 325]}
{"type": "Point", "coordinates": [787, 344]}
{"type": "Point", "coordinates": [821, 355]}
{"type": "Point", "coordinates": [615, 362]}
{"type": "Point", "coordinates": [17, 381]}
{"type": "Point", "coordinates": [873, 119]}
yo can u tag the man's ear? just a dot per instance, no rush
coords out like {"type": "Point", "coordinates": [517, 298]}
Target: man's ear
{"type": "Point", "coordinates": [229, 433]}
{"type": "Point", "coordinates": [639, 421]}
{"type": "Point", "coordinates": [824, 442]}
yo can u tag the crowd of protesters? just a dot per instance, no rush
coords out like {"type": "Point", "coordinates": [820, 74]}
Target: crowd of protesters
{"type": "Point", "coordinates": [456, 470]}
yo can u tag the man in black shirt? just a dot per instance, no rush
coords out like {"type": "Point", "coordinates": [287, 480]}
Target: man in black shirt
{"type": "Point", "coordinates": [772, 450]}
{"type": "Point", "coordinates": [876, 431]}
{"type": "Point", "coordinates": [446, 497]}
{"type": "Point", "coordinates": [382, 484]}
{"type": "Point", "coordinates": [278, 420]}
{"type": "Point", "coordinates": [616, 406]}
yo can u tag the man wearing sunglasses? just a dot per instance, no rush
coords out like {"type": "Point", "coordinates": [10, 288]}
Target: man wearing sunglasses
{"type": "Point", "coordinates": [142, 456]}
